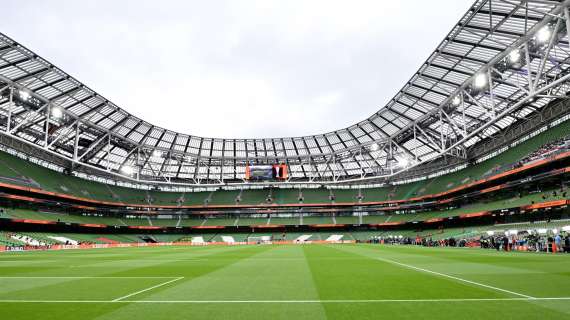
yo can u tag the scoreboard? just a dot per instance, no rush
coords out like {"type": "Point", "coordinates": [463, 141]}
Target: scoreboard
{"type": "Point", "coordinates": [266, 172]}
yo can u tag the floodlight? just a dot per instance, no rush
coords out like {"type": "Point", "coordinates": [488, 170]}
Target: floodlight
{"type": "Point", "coordinates": [128, 170]}
{"type": "Point", "coordinates": [456, 100]}
{"type": "Point", "coordinates": [490, 233]}
{"type": "Point", "coordinates": [157, 153]}
{"type": "Point", "coordinates": [543, 34]}
{"type": "Point", "coordinates": [515, 56]}
{"type": "Point", "coordinates": [56, 113]}
{"type": "Point", "coordinates": [374, 147]}
{"type": "Point", "coordinates": [480, 80]}
{"type": "Point", "coordinates": [555, 231]}
{"type": "Point", "coordinates": [403, 162]}
{"type": "Point", "coordinates": [542, 231]}
{"type": "Point", "coordinates": [24, 95]}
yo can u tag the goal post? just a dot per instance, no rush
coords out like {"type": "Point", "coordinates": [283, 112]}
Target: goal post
{"type": "Point", "coordinates": [260, 239]}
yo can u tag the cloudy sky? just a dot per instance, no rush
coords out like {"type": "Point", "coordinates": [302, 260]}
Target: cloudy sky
{"type": "Point", "coordinates": [237, 69]}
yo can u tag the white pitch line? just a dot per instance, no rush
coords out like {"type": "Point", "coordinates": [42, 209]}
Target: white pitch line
{"type": "Point", "coordinates": [292, 301]}
{"type": "Point", "coordinates": [455, 278]}
{"type": "Point", "coordinates": [85, 277]}
{"type": "Point", "coordinates": [147, 289]}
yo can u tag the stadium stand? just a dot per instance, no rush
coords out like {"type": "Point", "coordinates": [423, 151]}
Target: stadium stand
{"type": "Point", "coordinates": [46, 238]}
{"type": "Point", "coordinates": [519, 200]}
{"type": "Point", "coordinates": [548, 143]}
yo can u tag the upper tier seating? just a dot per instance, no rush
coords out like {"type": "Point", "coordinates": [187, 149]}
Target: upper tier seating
{"type": "Point", "coordinates": [549, 149]}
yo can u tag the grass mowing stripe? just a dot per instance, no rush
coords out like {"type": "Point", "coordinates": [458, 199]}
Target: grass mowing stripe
{"type": "Point", "coordinates": [147, 289]}
{"type": "Point", "coordinates": [250, 279]}
{"type": "Point", "coordinates": [455, 278]}
{"type": "Point", "coordinates": [291, 301]}
{"type": "Point", "coordinates": [215, 265]}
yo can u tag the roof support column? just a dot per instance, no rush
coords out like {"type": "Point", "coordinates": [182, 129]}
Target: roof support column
{"type": "Point", "coordinates": [10, 107]}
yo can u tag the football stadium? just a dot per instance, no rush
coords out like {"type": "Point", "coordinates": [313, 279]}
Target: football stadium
{"type": "Point", "coordinates": [449, 202]}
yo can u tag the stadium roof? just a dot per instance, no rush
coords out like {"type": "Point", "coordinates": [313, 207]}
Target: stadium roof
{"type": "Point", "coordinates": [502, 61]}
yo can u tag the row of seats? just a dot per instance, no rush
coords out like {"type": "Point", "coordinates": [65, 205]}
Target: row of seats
{"type": "Point", "coordinates": [10, 238]}
{"type": "Point", "coordinates": [297, 219]}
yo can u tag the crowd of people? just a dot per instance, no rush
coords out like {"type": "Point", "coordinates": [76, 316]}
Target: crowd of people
{"type": "Point", "coordinates": [545, 151]}
{"type": "Point", "coordinates": [555, 243]}
{"type": "Point", "coordinates": [420, 241]}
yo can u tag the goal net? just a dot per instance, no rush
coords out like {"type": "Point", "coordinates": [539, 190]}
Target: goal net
{"type": "Point", "coordinates": [260, 239]}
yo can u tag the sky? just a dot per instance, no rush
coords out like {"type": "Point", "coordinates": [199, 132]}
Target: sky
{"type": "Point", "coordinates": [237, 69]}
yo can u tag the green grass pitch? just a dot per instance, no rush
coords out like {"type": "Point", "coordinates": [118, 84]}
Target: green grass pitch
{"type": "Point", "coordinates": [284, 282]}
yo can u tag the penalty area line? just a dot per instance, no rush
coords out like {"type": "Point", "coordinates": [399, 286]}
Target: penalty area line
{"type": "Point", "coordinates": [527, 297]}
{"type": "Point", "coordinates": [147, 289]}
{"type": "Point", "coordinates": [459, 300]}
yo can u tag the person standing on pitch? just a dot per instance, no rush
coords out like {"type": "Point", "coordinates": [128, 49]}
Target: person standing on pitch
{"type": "Point", "coordinates": [557, 243]}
